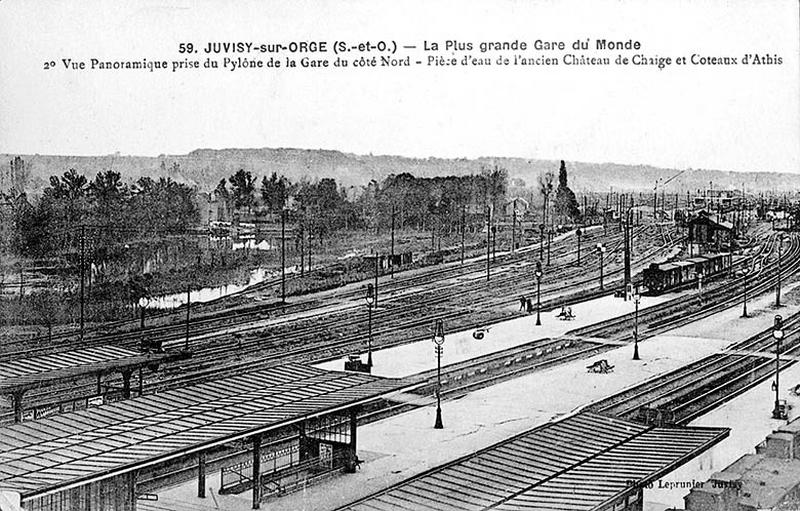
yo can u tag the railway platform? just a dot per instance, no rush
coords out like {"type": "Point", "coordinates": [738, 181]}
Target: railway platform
{"type": "Point", "coordinates": [406, 445]}
{"type": "Point", "coordinates": [414, 358]}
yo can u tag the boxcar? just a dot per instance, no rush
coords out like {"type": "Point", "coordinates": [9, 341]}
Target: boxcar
{"type": "Point", "coordinates": [659, 278]}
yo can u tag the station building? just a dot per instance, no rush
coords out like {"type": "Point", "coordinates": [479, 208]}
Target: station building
{"type": "Point", "coordinates": [710, 235]}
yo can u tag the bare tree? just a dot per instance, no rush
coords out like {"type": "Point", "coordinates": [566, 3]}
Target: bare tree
{"type": "Point", "coordinates": [546, 181]}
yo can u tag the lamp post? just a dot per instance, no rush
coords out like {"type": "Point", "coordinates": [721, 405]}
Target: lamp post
{"type": "Point", "coordinates": [600, 251]}
{"type": "Point", "coordinates": [438, 340]}
{"type": "Point", "coordinates": [745, 272]}
{"type": "Point", "coordinates": [143, 303]}
{"type": "Point", "coordinates": [370, 299]}
{"type": "Point", "coordinates": [578, 233]}
{"type": "Point", "coordinates": [636, 297]}
{"type": "Point", "coordinates": [538, 293]}
{"type": "Point", "coordinates": [778, 412]}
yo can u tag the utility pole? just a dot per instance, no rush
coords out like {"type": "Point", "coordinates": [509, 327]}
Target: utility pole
{"type": "Point", "coordinates": [549, 239]}
{"type": "Point", "coordinates": [514, 226]}
{"type": "Point", "coordinates": [391, 257]}
{"type": "Point", "coordinates": [463, 229]}
{"type": "Point", "coordinates": [376, 279]}
{"type": "Point", "coordinates": [302, 242]}
{"type": "Point", "coordinates": [494, 243]}
{"type": "Point", "coordinates": [83, 269]}
{"type": "Point", "coordinates": [488, 240]}
{"type": "Point", "coordinates": [283, 255]}
{"type": "Point", "coordinates": [627, 238]}
{"type": "Point", "coordinates": [188, 308]}
{"type": "Point", "coordinates": [778, 288]}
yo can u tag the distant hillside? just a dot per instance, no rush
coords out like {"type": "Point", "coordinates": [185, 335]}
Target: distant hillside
{"type": "Point", "coordinates": [204, 168]}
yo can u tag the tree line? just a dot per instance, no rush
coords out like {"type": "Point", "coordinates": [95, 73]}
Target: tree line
{"type": "Point", "coordinates": [117, 212]}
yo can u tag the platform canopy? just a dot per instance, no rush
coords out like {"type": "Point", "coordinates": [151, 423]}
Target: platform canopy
{"type": "Point", "coordinates": [580, 463]}
{"type": "Point", "coordinates": [26, 373]}
{"type": "Point", "coordinates": [68, 450]}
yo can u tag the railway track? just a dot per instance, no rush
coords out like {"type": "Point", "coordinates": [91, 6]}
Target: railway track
{"type": "Point", "coordinates": [308, 340]}
{"type": "Point", "coordinates": [686, 309]}
{"type": "Point", "coordinates": [201, 324]}
{"type": "Point", "coordinates": [695, 389]}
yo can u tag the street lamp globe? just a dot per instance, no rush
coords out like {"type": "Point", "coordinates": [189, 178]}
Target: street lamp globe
{"type": "Point", "coordinates": [777, 331]}
{"type": "Point", "coordinates": [369, 297]}
{"type": "Point", "coordinates": [438, 333]}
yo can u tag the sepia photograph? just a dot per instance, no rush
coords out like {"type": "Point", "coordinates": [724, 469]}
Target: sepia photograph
{"type": "Point", "coordinates": [426, 255]}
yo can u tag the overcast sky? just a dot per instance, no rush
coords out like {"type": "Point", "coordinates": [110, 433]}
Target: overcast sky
{"type": "Point", "coordinates": [735, 118]}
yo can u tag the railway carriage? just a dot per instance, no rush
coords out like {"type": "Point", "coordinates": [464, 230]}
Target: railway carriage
{"type": "Point", "coordinates": [659, 278]}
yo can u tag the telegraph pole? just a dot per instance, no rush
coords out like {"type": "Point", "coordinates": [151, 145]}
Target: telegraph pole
{"type": "Point", "coordinates": [283, 255]}
{"type": "Point", "coordinates": [391, 257]}
{"type": "Point", "coordinates": [83, 269]}
{"type": "Point", "coordinates": [188, 307]}
{"type": "Point", "coordinates": [463, 229]}
{"type": "Point", "coordinates": [488, 240]}
{"type": "Point", "coordinates": [627, 252]}
{"type": "Point", "coordinates": [778, 288]}
{"type": "Point", "coordinates": [376, 279]}
{"type": "Point", "coordinates": [302, 242]}
{"type": "Point", "coordinates": [514, 225]}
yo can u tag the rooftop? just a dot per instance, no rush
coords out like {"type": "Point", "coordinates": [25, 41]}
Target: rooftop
{"type": "Point", "coordinates": [579, 463]}
{"type": "Point", "coordinates": [26, 373]}
{"type": "Point", "coordinates": [43, 456]}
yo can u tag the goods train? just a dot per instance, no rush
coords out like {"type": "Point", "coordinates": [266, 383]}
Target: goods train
{"type": "Point", "coordinates": [659, 278]}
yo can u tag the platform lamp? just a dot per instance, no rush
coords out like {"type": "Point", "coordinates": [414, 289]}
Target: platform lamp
{"type": "Point", "coordinates": [538, 274]}
{"type": "Point", "coordinates": [600, 251]}
{"type": "Point", "coordinates": [369, 297]}
{"type": "Point", "coordinates": [579, 233]}
{"type": "Point", "coordinates": [745, 272]}
{"type": "Point", "coordinates": [777, 333]}
{"type": "Point", "coordinates": [438, 340]}
{"type": "Point", "coordinates": [143, 303]}
{"type": "Point", "coordinates": [636, 297]}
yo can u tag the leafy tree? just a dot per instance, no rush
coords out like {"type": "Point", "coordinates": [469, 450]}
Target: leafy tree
{"type": "Point", "coordinates": [48, 306]}
{"type": "Point", "coordinates": [566, 202]}
{"type": "Point", "coordinates": [275, 192]}
{"type": "Point", "coordinates": [243, 185]}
